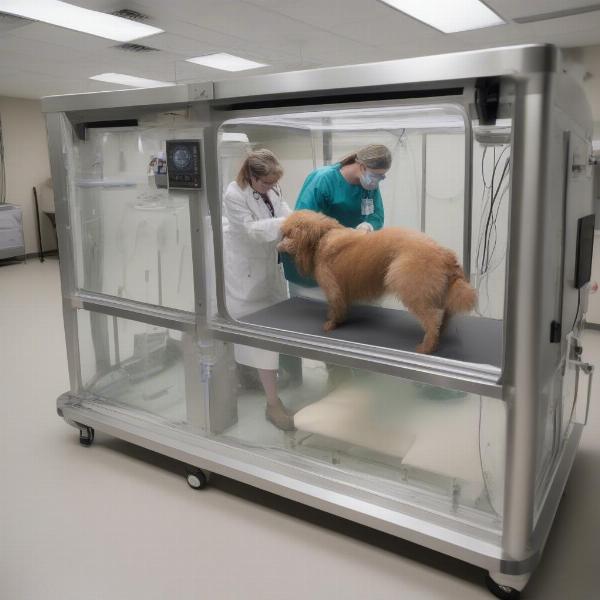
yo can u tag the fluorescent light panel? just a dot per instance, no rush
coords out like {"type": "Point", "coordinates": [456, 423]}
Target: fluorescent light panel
{"type": "Point", "coordinates": [225, 62]}
{"type": "Point", "coordinates": [449, 16]}
{"type": "Point", "coordinates": [130, 80]}
{"type": "Point", "coordinates": [73, 17]}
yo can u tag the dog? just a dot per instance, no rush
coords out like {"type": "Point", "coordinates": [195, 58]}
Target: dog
{"type": "Point", "coordinates": [351, 265]}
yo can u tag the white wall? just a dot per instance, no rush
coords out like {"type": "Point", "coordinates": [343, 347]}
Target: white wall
{"type": "Point", "coordinates": [299, 152]}
{"type": "Point", "coordinates": [584, 66]}
{"type": "Point", "coordinates": [27, 164]}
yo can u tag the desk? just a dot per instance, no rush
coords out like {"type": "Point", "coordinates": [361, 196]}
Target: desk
{"type": "Point", "coordinates": [12, 241]}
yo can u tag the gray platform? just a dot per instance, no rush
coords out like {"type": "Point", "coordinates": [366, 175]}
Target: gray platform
{"type": "Point", "coordinates": [466, 338]}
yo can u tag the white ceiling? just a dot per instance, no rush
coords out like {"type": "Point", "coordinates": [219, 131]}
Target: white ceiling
{"type": "Point", "coordinates": [38, 59]}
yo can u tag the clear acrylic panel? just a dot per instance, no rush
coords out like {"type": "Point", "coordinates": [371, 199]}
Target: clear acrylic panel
{"type": "Point", "coordinates": [425, 444]}
{"type": "Point", "coordinates": [557, 411]}
{"type": "Point", "coordinates": [138, 366]}
{"type": "Point", "coordinates": [424, 190]}
{"type": "Point", "coordinates": [430, 446]}
{"type": "Point", "coordinates": [131, 236]}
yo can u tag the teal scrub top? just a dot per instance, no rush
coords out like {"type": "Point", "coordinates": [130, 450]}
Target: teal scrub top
{"type": "Point", "coordinates": [325, 190]}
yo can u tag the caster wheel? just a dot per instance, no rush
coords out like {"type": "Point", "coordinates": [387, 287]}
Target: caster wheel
{"type": "Point", "coordinates": [501, 591]}
{"type": "Point", "coordinates": [197, 479]}
{"type": "Point", "coordinates": [86, 436]}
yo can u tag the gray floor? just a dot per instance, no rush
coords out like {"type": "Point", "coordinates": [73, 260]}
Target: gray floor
{"type": "Point", "coordinates": [113, 522]}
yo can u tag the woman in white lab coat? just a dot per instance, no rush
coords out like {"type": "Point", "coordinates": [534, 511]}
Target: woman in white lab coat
{"type": "Point", "coordinates": [254, 210]}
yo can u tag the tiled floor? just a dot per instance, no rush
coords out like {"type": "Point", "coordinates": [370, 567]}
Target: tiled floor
{"type": "Point", "coordinates": [114, 522]}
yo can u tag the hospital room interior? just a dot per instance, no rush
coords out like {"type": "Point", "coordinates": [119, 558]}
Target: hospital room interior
{"type": "Point", "coordinates": [323, 321]}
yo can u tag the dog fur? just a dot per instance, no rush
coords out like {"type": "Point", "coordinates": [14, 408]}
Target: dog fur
{"type": "Point", "coordinates": [351, 265]}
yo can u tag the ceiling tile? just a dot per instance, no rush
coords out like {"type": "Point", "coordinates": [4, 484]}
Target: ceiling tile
{"type": "Point", "coordinates": [513, 9]}
{"type": "Point", "coordinates": [62, 37]}
{"type": "Point", "coordinates": [336, 14]}
{"type": "Point", "coordinates": [183, 47]}
{"type": "Point", "coordinates": [395, 31]}
{"type": "Point", "coordinates": [32, 47]}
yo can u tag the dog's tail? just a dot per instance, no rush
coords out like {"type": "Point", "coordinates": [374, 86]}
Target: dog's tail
{"type": "Point", "coordinates": [460, 297]}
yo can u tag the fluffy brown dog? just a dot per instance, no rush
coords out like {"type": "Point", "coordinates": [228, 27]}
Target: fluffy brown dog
{"type": "Point", "coordinates": [354, 265]}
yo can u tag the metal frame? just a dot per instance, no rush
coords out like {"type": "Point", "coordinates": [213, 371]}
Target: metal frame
{"type": "Point", "coordinates": [478, 379]}
{"type": "Point", "coordinates": [65, 246]}
{"type": "Point", "coordinates": [396, 517]}
{"type": "Point", "coordinates": [534, 72]}
{"type": "Point", "coordinates": [131, 309]}
{"type": "Point", "coordinates": [522, 339]}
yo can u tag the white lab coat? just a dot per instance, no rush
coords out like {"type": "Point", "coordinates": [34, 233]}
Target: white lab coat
{"type": "Point", "coordinates": [253, 278]}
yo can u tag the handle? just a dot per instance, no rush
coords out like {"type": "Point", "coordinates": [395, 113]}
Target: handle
{"type": "Point", "coordinates": [588, 370]}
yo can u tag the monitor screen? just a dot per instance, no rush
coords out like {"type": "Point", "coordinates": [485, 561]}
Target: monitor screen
{"type": "Point", "coordinates": [183, 164]}
{"type": "Point", "coordinates": [585, 248]}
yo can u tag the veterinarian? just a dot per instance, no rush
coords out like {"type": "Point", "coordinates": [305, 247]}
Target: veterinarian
{"type": "Point", "coordinates": [349, 190]}
{"type": "Point", "coordinates": [254, 209]}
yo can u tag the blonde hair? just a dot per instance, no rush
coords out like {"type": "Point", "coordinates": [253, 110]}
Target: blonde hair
{"type": "Point", "coordinates": [373, 156]}
{"type": "Point", "coordinates": [258, 163]}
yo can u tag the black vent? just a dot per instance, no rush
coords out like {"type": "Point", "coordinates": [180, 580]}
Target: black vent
{"type": "Point", "coordinates": [132, 15]}
{"type": "Point", "coordinates": [338, 98]}
{"type": "Point", "coordinates": [138, 48]}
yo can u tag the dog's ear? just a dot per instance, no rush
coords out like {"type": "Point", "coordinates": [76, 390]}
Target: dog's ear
{"type": "Point", "coordinates": [306, 237]}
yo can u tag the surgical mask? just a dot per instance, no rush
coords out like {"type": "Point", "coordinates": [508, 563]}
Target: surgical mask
{"type": "Point", "coordinates": [369, 180]}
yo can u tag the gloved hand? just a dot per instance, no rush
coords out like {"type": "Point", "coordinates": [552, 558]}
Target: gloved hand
{"type": "Point", "coordinates": [364, 226]}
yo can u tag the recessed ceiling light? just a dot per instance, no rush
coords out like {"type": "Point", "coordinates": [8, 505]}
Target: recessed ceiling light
{"type": "Point", "coordinates": [85, 20]}
{"type": "Point", "coordinates": [131, 81]}
{"type": "Point", "coordinates": [449, 16]}
{"type": "Point", "coordinates": [226, 62]}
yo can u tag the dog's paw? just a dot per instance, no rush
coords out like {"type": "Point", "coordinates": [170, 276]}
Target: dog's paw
{"type": "Point", "coordinates": [424, 348]}
{"type": "Point", "coordinates": [329, 326]}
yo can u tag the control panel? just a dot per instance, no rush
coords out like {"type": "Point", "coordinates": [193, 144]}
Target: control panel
{"type": "Point", "coordinates": [183, 164]}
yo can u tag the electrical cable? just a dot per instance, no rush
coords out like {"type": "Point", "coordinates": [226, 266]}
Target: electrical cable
{"type": "Point", "coordinates": [494, 203]}
{"type": "Point", "coordinates": [494, 190]}
{"type": "Point", "coordinates": [492, 217]}
{"type": "Point", "coordinates": [491, 222]}
{"type": "Point", "coordinates": [577, 311]}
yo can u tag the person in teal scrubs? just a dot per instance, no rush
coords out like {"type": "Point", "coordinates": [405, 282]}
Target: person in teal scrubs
{"type": "Point", "coordinates": [347, 191]}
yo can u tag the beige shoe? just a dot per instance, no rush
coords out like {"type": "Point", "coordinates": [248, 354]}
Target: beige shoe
{"type": "Point", "coordinates": [281, 417]}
